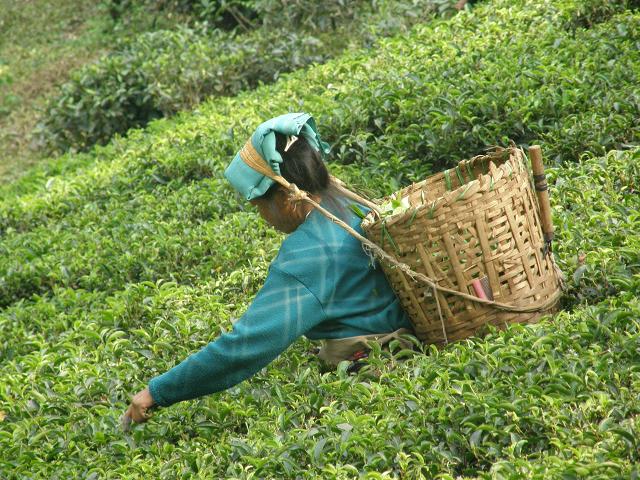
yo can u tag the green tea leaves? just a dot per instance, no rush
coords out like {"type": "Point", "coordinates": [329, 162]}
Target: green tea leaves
{"type": "Point", "coordinates": [118, 264]}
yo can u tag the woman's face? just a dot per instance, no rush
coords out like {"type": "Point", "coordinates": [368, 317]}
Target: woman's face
{"type": "Point", "coordinates": [280, 212]}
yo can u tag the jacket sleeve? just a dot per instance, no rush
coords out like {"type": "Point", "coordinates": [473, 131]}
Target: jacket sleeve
{"type": "Point", "coordinates": [283, 310]}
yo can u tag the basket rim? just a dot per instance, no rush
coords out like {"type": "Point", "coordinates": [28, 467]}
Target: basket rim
{"type": "Point", "coordinates": [478, 184]}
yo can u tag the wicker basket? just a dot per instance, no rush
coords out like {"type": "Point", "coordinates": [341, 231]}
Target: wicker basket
{"type": "Point", "coordinates": [476, 223]}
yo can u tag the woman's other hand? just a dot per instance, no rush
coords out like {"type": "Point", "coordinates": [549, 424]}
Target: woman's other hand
{"type": "Point", "coordinates": [138, 411]}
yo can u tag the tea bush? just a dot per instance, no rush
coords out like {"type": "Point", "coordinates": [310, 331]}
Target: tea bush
{"type": "Point", "coordinates": [245, 14]}
{"type": "Point", "coordinates": [409, 122]}
{"type": "Point", "coordinates": [221, 14]}
{"type": "Point", "coordinates": [164, 171]}
{"type": "Point", "coordinates": [539, 401]}
{"type": "Point", "coordinates": [162, 72]}
{"type": "Point", "coordinates": [596, 212]}
{"type": "Point", "coordinates": [116, 264]}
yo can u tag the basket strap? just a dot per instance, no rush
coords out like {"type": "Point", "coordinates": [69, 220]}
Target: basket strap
{"type": "Point", "coordinates": [253, 159]}
{"type": "Point", "coordinates": [341, 187]}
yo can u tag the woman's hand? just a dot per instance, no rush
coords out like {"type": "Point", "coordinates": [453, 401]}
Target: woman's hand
{"type": "Point", "coordinates": [138, 411]}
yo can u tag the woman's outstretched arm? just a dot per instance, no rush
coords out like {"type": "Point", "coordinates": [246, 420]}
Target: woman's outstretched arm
{"type": "Point", "coordinates": [283, 310]}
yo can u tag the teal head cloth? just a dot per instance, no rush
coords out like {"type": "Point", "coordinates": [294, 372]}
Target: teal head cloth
{"type": "Point", "coordinates": [253, 184]}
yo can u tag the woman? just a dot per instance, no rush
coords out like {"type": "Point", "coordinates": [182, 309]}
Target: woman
{"type": "Point", "coordinates": [321, 284]}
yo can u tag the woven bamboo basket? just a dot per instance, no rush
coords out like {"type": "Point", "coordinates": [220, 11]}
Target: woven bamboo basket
{"type": "Point", "coordinates": [476, 224]}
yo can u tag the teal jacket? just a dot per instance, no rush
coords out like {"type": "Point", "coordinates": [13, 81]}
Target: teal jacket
{"type": "Point", "coordinates": [321, 285]}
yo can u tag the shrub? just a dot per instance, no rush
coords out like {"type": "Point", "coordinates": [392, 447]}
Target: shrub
{"type": "Point", "coordinates": [160, 73]}
{"type": "Point", "coordinates": [595, 209]}
{"type": "Point", "coordinates": [413, 104]}
{"type": "Point", "coordinates": [538, 400]}
{"type": "Point", "coordinates": [222, 13]}
{"type": "Point", "coordinates": [118, 267]}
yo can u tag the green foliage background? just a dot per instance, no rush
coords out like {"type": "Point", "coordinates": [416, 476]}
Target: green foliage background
{"type": "Point", "coordinates": [117, 263]}
{"type": "Point", "coordinates": [162, 72]}
{"type": "Point", "coordinates": [41, 43]}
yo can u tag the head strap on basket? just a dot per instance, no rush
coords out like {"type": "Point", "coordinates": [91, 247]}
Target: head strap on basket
{"type": "Point", "coordinates": [253, 183]}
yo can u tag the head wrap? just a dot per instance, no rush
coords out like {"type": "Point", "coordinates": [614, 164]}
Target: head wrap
{"type": "Point", "coordinates": [252, 184]}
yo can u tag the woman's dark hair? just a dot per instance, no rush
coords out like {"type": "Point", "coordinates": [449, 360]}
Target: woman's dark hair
{"type": "Point", "coordinates": [303, 165]}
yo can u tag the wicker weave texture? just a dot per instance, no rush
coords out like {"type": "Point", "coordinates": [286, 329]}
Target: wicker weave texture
{"type": "Point", "coordinates": [477, 220]}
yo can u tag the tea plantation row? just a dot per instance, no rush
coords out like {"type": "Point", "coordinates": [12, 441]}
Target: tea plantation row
{"type": "Point", "coordinates": [558, 398]}
{"type": "Point", "coordinates": [360, 113]}
{"type": "Point", "coordinates": [150, 207]}
{"type": "Point", "coordinates": [127, 259]}
{"type": "Point", "coordinates": [160, 73]}
{"type": "Point", "coordinates": [436, 109]}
